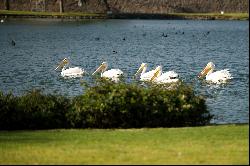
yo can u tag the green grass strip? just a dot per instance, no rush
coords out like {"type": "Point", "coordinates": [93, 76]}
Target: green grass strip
{"type": "Point", "coordinates": [222, 144]}
{"type": "Point", "coordinates": [232, 16]}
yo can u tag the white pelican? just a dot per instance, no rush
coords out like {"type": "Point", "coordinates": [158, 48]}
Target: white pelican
{"type": "Point", "coordinates": [69, 72]}
{"type": "Point", "coordinates": [166, 77]}
{"type": "Point", "coordinates": [145, 76]}
{"type": "Point", "coordinates": [217, 77]}
{"type": "Point", "coordinates": [113, 74]}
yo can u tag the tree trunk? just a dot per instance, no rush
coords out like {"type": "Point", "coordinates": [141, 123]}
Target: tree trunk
{"type": "Point", "coordinates": [6, 4]}
{"type": "Point", "coordinates": [107, 5]}
{"type": "Point", "coordinates": [44, 5]}
{"type": "Point", "coordinates": [61, 6]}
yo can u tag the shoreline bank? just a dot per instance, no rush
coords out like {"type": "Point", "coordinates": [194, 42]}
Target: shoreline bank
{"type": "Point", "coordinates": [5, 14]}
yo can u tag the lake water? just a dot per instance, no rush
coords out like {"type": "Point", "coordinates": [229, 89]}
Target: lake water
{"type": "Point", "coordinates": [125, 44]}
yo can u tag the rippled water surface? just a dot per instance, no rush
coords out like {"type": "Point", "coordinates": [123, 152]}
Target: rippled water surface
{"type": "Point", "coordinates": [125, 44]}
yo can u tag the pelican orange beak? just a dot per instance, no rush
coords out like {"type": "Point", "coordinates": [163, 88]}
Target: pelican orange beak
{"type": "Point", "coordinates": [140, 69]}
{"type": "Point", "coordinates": [62, 63]}
{"type": "Point", "coordinates": [101, 68]}
{"type": "Point", "coordinates": [204, 71]}
{"type": "Point", "coordinates": [157, 73]}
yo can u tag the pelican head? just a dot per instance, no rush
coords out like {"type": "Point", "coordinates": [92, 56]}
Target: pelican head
{"type": "Point", "coordinates": [101, 68]}
{"type": "Point", "coordinates": [141, 68]}
{"type": "Point", "coordinates": [207, 70]}
{"type": "Point", "coordinates": [62, 63]}
{"type": "Point", "coordinates": [157, 73]}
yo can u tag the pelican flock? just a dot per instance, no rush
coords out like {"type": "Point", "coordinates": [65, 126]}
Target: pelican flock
{"type": "Point", "coordinates": [69, 72]}
{"type": "Point", "coordinates": [145, 76]}
{"type": "Point", "coordinates": [113, 74]}
{"type": "Point", "coordinates": [155, 76]}
{"type": "Point", "coordinates": [217, 77]}
{"type": "Point", "coordinates": [160, 77]}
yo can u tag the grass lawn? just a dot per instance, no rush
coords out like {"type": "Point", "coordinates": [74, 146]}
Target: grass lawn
{"type": "Point", "coordinates": [222, 144]}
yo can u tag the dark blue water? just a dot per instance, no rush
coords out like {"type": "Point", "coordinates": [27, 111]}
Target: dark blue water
{"type": "Point", "coordinates": [188, 47]}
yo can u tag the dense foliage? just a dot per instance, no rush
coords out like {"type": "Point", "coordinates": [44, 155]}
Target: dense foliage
{"type": "Point", "coordinates": [106, 105]}
{"type": "Point", "coordinates": [33, 110]}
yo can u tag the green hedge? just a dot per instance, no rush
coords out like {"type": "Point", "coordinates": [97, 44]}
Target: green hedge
{"type": "Point", "coordinates": [33, 110]}
{"type": "Point", "coordinates": [106, 105]}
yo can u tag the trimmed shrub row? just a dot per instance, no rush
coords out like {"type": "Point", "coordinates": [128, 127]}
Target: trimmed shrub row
{"type": "Point", "coordinates": [106, 105]}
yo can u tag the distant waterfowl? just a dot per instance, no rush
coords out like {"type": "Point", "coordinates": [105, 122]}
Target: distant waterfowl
{"type": "Point", "coordinates": [113, 74]}
{"type": "Point", "coordinates": [217, 77]}
{"type": "Point", "coordinates": [69, 72]}
{"type": "Point", "coordinates": [167, 77]}
{"type": "Point", "coordinates": [207, 33]}
{"type": "Point", "coordinates": [124, 38]}
{"type": "Point", "coordinates": [145, 76]}
{"type": "Point", "coordinates": [97, 38]}
{"type": "Point", "coordinates": [2, 21]}
{"type": "Point", "coordinates": [164, 35]}
{"type": "Point", "coordinates": [13, 43]}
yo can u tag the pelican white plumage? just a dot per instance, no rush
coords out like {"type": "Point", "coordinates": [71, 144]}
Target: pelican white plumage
{"type": "Point", "coordinates": [69, 72]}
{"type": "Point", "coordinates": [145, 76]}
{"type": "Point", "coordinates": [113, 74]}
{"type": "Point", "coordinates": [167, 77]}
{"type": "Point", "coordinates": [217, 77]}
